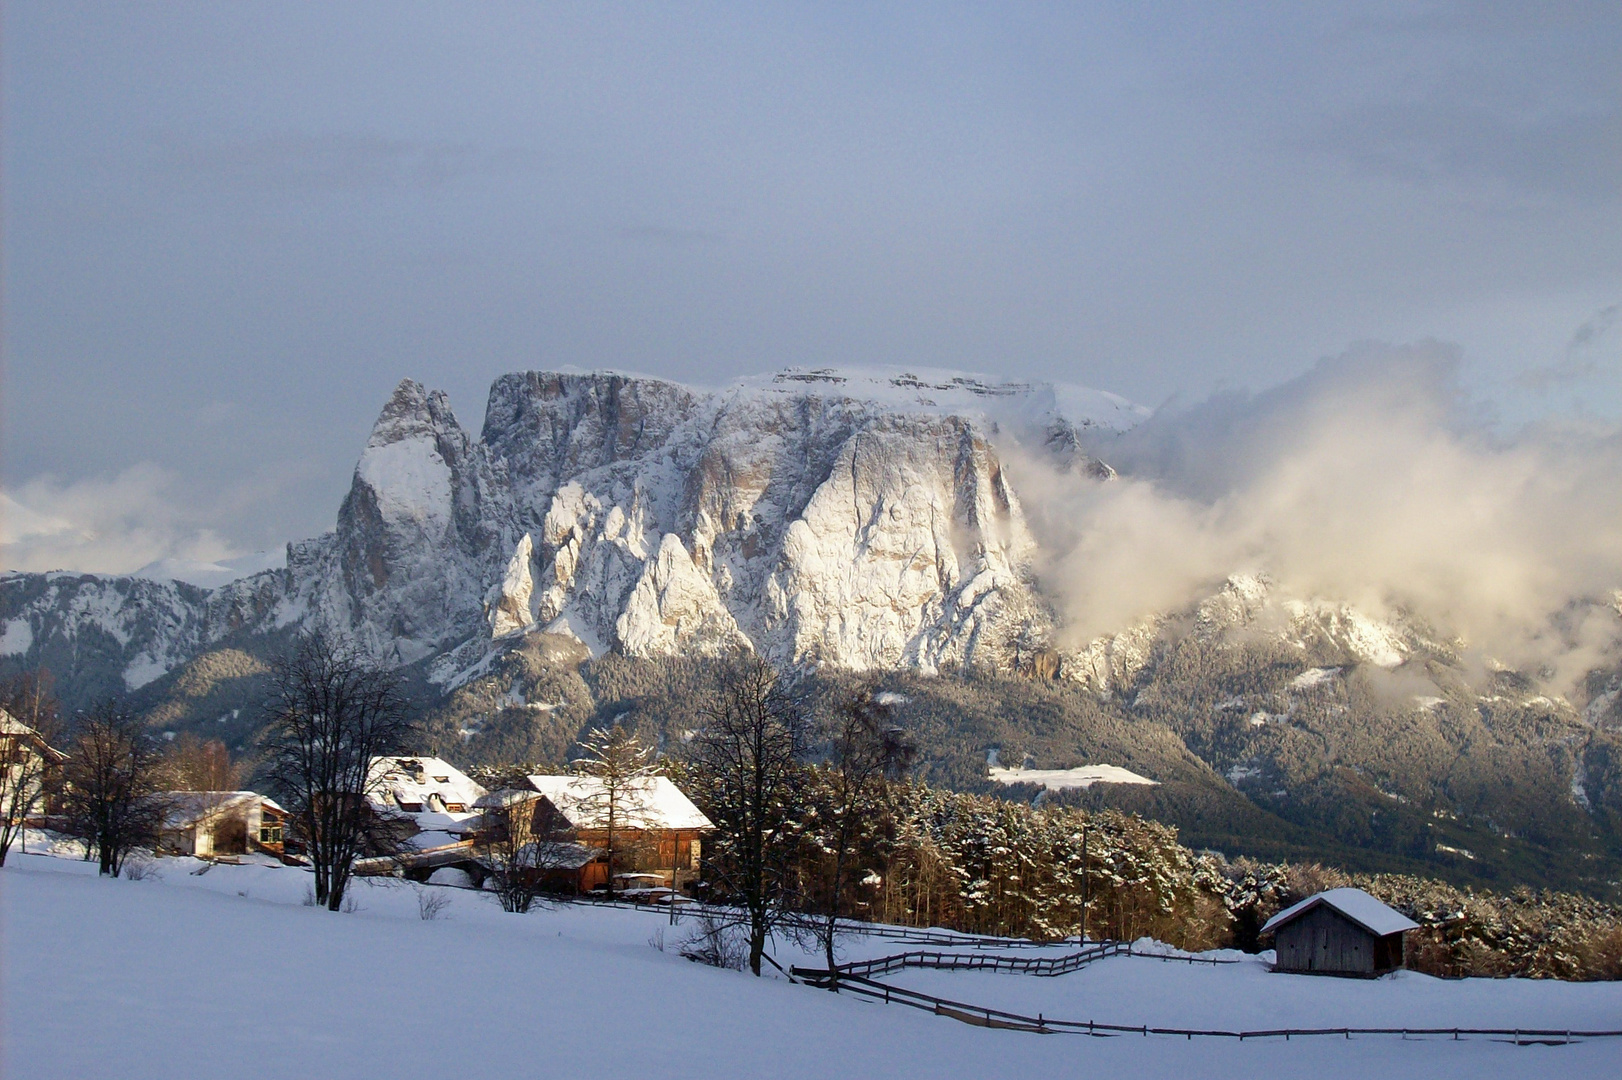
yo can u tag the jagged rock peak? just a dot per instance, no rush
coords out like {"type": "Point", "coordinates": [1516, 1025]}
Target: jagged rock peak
{"type": "Point", "coordinates": [410, 411]}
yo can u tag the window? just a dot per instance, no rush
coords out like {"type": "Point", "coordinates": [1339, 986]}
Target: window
{"type": "Point", "coordinates": [270, 832]}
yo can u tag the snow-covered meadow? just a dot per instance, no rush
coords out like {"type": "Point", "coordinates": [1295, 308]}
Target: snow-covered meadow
{"type": "Point", "coordinates": [227, 973]}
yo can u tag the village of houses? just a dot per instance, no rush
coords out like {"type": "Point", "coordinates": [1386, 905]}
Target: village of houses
{"type": "Point", "coordinates": [431, 824]}
{"type": "Point", "coordinates": [436, 815]}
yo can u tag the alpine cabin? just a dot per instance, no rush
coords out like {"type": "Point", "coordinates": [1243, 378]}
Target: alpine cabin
{"type": "Point", "coordinates": [1339, 932]}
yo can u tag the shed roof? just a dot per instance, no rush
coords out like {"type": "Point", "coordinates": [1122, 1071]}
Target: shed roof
{"type": "Point", "coordinates": [656, 803]}
{"type": "Point", "coordinates": [1356, 905]}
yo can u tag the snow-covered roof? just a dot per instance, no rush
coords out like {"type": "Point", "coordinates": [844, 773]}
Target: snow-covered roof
{"type": "Point", "coordinates": [501, 800]}
{"type": "Point", "coordinates": [655, 804]}
{"type": "Point", "coordinates": [430, 783]}
{"type": "Point", "coordinates": [1356, 905]}
{"type": "Point", "coordinates": [430, 839]}
{"type": "Point", "coordinates": [183, 809]}
{"type": "Point", "coordinates": [10, 725]}
{"type": "Point", "coordinates": [559, 856]}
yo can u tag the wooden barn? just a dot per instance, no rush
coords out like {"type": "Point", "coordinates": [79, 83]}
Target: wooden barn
{"type": "Point", "coordinates": [657, 829]}
{"type": "Point", "coordinates": [1339, 932]}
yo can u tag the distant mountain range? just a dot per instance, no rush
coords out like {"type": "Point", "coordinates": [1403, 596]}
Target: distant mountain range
{"type": "Point", "coordinates": [849, 523]}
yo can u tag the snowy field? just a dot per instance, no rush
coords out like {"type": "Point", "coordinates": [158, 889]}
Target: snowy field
{"type": "Point", "coordinates": [227, 974]}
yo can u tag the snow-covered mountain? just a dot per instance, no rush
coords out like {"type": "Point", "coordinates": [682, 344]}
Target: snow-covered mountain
{"type": "Point", "coordinates": [859, 519]}
{"type": "Point", "coordinates": [852, 521]}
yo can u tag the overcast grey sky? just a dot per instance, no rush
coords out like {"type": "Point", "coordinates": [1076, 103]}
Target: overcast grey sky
{"type": "Point", "coordinates": [230, 229]}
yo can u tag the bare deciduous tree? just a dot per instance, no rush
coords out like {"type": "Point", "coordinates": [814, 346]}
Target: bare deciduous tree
{"type": "Point", "coordinates": [866, 752]}
{"type": "Point", "coordinates": [193, 764]}
{"type": "Point", "coordinates": [30, 764]}
{"type": "Point", "coordinates": [523, 837]}
{"type": "Point", "coordinates": [111, 781]}
{"type": "Point", "coordinates": [746, 766]}
{"type": "Point", "coordinates": [333, 712]}
{"type": "Point", "coordinates": [619, 762]}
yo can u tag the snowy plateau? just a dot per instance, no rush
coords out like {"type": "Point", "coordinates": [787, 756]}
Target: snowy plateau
{"type": "Point", "coordinates": [227, 973]}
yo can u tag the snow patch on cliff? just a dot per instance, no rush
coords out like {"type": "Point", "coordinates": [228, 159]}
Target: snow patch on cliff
{"type": "Point", "coordinates": [409, 478]}
{"type": "Point", "coordinates": [17, 638]}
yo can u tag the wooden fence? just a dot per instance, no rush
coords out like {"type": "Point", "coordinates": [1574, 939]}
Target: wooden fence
{"type": "Point", "coordinates": [980, 1016]}
{"type": "Point", "coordinates": [1040, 966]}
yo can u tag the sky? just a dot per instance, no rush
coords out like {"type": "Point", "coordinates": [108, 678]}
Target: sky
{"type": "Point", "coordinates": [230, 230]}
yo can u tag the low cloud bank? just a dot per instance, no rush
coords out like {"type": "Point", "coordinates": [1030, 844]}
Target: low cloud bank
{"type": "Point", "coordinates": [116, 525]}
{"type": "Point", "coordinates": [1370, 480]}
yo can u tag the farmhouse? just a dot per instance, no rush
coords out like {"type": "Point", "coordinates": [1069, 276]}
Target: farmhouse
{"type": "Point", "coordinates": [424, 815]}
{"type": "Point", "coordinates": [556, 862]}
{"type": "Point", "coordinates": [208, 824]}
{"type": "Point", "coordinates": [26, 761]}
{"type": "Point", "coordinates": [1339, 932]}
{"type": "Point", "coordinates": [656, 829]}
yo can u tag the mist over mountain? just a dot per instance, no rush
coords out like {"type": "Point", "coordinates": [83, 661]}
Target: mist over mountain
{"type": "Point", "coordinates": [1370, 482]}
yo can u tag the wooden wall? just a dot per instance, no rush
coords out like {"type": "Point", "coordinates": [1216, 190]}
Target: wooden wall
{"type": "Point", "coordinates": [1324, 940]}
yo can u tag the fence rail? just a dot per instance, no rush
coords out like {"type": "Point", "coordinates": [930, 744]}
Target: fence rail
{"type": "Point", "coordinates": [1040, 966]}
{"type": "Point", "coordinates": [981, 1016]}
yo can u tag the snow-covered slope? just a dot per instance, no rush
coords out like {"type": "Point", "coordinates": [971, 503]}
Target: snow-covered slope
{"type": "Point", "coordinates": [1248, 607]}
{"type": "Point", "coordinates": [859, 519]}
{"type": "Point", "coordinates": [227, 974]}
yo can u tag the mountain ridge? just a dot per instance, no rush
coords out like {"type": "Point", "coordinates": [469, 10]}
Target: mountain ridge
{"type": "Point", "coordinates": [621, 525]}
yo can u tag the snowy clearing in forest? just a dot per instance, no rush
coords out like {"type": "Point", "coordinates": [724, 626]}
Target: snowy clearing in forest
{"type": "Point", "coordinates": [1083, 776]}
{"type": "Point", "coordinates": [228, 974]}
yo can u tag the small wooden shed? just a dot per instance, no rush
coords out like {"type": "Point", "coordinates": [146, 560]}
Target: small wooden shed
{"type": "Point", "coordinates": [1339, 932]}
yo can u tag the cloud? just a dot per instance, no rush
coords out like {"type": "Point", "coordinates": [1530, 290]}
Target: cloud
{"type": "Point", "coordinates": [1582, 357]}
{"type": "Point", "coordinates": [1366, 481]}
{"type": "Point", "coordinates": [108, 525]}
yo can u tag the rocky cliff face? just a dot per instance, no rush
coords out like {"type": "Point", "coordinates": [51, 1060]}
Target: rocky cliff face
{"type": "Point", "coordinates": [857, 521]}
